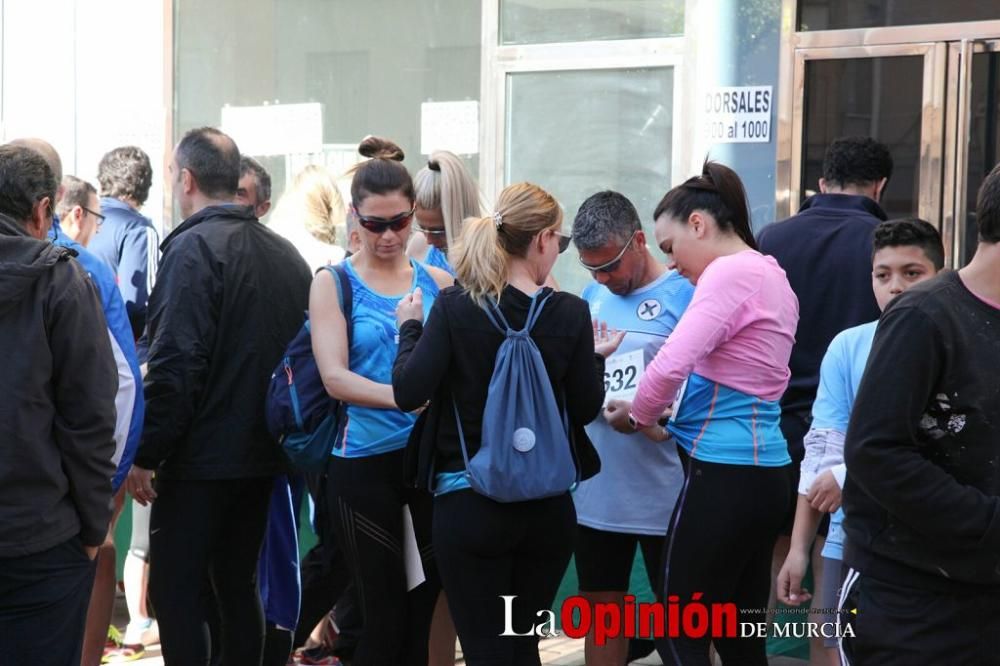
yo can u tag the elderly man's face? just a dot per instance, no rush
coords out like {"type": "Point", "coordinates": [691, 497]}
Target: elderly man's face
{"type": "Point", "coordinates": [248, 195]}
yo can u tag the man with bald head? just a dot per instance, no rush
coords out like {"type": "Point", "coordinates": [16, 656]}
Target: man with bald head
{"type": "Point", "coordinates": [229, 297]}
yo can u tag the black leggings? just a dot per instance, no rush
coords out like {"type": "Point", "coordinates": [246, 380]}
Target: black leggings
{"type": "Point", "coordinates": [366, 499]}
{"type": "Point", "coordinates": [325, 578]}
{"type": "Point", "coordinates": [486, 549]}
{"type": "Point", "coordinates": [720, 542]}
{"type": "Point", "coordinates": [208, 531]}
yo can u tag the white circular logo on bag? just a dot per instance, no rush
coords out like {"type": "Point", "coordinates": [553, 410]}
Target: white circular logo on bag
{"type": "Point", "coordinates": [524, 439]}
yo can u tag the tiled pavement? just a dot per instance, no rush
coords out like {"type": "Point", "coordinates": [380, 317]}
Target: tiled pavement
{"type": "Point", "coordinates": [559, 651]}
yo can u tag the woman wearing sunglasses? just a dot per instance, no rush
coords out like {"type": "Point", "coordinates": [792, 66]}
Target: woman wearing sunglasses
{"type": "Point", "coordinates": [446, 196]}
{"type": "Point", "coordinates": [365, 489]}
{"type": "Point", "coordinates": [485, 548]}
{"type": "Point", "coordinates": [723, 370]}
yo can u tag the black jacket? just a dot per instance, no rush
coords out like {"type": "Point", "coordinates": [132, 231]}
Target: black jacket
{"type": "Point", "coordinates": [229, 296]}
{"type": "Point", "coordinates": [454, 355]}
{"type": "Point", "coordinates": [57, 401]}
{"type": "Point", "coordinates": [922, 498]}
{"type": "Point", "coordinates": [826, 252]}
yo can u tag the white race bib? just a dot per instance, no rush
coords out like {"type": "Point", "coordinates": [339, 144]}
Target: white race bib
{"type": "Point", "coordinates": [622, 373]}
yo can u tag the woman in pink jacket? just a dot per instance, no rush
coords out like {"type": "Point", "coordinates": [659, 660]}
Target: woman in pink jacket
{"type": "Point", "coordinates": [722, 372]}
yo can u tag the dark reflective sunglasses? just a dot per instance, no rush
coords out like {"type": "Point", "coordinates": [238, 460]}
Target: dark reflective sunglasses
{"type": "Point", "coordinates": [378, 225]}
{"type": "Point", "coordinates": [611, 266]}
{"type": "Point", "coordinates": [563, 242]}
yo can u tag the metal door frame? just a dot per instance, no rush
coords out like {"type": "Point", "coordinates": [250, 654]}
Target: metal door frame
{"type": "Point", "coordinates": [957, 133]}
{"type": "Point", "coordinates": [947, 49]}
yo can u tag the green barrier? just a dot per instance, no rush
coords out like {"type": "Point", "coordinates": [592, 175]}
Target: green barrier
{"type": "Point", "coordinates": [638, 585]}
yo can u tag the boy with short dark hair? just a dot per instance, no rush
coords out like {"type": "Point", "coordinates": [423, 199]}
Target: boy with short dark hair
{"type": "Point", "coordinates": [905, 252]}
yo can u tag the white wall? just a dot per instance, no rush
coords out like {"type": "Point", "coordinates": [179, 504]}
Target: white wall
{"type": "Point", "coordinates": [87, 76]}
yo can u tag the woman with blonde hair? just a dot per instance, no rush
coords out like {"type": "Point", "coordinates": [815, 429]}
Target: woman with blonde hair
{"type": "Point", "coordinates": [484, 548]}
{"type": "Point", "coordinates": [365, 489]}
{"type": "Point", "coordinates": [309, 214]}
{"type": "Point", "coordinates": [446, 196]}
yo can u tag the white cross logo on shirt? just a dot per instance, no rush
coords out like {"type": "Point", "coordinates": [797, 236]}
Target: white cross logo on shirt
{"type": "Point", "coordinates": [649, 309]}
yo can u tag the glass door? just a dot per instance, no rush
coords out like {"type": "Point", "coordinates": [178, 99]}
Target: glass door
{"type": "Point", "coordinates": [894, 93]}
{"type": "Point", "coordinates": [973, 139]}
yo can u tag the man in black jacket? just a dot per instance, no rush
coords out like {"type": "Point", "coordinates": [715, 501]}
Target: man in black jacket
{"type": "Point", "coordinates": [922, 497]}
{"type": "Point", "coordinates": [57, 422]}
{"type": "Point", "coordinates": [228, 298]}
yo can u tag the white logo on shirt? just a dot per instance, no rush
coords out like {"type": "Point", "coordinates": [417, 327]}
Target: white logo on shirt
{"type": "Point", "coordinates": [649, 309]}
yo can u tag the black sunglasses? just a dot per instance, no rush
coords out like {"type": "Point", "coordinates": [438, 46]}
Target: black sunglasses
{"type": "Point", "coordinates": [611, 266]}
{"type": "Point", "coordinates": [100, 218]}
{"type": "Point", "coordinates": [378, 225]}
{"type": "Point", "coordinates": [564, 242]}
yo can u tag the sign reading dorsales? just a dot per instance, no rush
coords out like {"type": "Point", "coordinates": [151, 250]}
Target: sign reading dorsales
{"type": "Point", "coordinates": [740, 114]}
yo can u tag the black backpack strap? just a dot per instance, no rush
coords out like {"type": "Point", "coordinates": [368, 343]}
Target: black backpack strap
{"type": "Point", "coordinates": [343, 283]}
{"type": "Point", "coordinates": [346, 293]}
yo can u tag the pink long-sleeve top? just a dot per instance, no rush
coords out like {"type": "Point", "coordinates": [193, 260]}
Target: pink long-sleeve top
{"type": "Point", "coordinates": [738, 331]}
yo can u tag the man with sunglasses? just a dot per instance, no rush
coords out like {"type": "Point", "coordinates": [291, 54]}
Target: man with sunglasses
{"type": "Point", "coordinates": [630, 502]}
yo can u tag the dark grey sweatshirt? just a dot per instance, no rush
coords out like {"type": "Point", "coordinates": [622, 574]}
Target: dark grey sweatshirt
{"type": "Point", "coordinates": [57, 399]}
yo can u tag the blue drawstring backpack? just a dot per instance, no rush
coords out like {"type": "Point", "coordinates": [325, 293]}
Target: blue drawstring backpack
{"type": "Point", "coordinates": [299, 412]}
{"type": "Point", "coordinates": [525, 453]}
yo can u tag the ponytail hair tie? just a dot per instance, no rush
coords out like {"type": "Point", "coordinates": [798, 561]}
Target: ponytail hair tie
{"type": "Point", "coordinates": [497, 220]}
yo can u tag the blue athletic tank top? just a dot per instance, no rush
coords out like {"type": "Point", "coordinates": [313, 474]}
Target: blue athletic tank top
{"type": "Point", "coordinates": [438, 259]}
{"type": "Point", "coordinates": [718, 424]}
{"type": "Point", "coordinates": [370, 431]}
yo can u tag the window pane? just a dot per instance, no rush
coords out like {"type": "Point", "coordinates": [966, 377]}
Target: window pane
{"type": "Point", "coordinates": [543, 21]}
{"type": "Point", "coordinates": [877, 97]}
{"type": "Point", "coordinates": [840, 14]}
{"type": "Point", "coordinates": [984, 140]}
{"type": "Point", "coordinates": [577, 133]}
{"type": "Point", "coordinates": [369, 69]}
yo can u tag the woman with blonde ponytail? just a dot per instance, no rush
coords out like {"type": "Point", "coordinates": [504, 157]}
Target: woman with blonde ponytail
{"type": "Point", "coordinates": [485, 549]}
{"type": "Point", "coordinates": [446, 196]}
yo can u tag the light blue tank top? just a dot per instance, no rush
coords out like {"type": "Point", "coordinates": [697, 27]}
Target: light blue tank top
{"type": "Point", "coordinates": [718, 424]}
{"type": "Point", "coordinates": [438, 259]}
{"type": "Point", "coordinates": [371, 431]}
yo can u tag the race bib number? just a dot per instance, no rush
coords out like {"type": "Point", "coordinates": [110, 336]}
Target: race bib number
{"type": "Point", "coordinates": [622, 373]}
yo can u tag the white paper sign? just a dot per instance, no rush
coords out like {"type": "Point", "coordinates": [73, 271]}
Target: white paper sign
{"type": "Point", "coordinates": [276, 129]}
{"type": "Point", "coordinates": [411, 553]}
{"type": "Point", "coordinates": [622, 373]}
{"type": "Point", "coordinates": [450, 126]}
{"type": "Point", "coordinates": [737, 114]}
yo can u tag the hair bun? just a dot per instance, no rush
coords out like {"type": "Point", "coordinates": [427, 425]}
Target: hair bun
{"type": "Point", "coordinates": [434, 165]}
{"type": "Point", "coordinates": [377, 147]}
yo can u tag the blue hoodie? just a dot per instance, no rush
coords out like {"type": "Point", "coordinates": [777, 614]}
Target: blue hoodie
{"type": "Point", "coordinates": [128, 401]}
